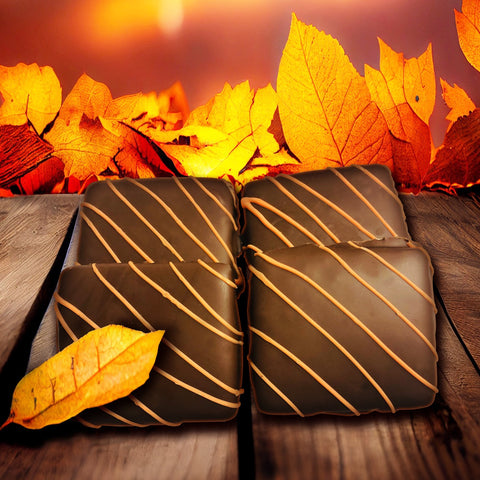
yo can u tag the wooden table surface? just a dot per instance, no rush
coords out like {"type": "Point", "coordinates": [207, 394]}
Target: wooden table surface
{"type": "Point", "coordinates": [439, 442]}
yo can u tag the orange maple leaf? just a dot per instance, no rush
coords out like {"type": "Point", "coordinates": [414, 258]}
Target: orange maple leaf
{"type": "Point", "coordinates": [468, 29]}
{"type": "Point", "coordinates": [458, 100]}
{"type": "Point", "coordinates": [328, 117]}
{"type": "Point", "coordinates": [404, 90]}
{"type": "Point", "coordinates": [31, 94]}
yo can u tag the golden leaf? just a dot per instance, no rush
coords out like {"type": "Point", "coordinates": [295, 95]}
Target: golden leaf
{"type": "Point", "coordinates": [468, 29]}
{"type": "Point", "coordinates": [104, 365]}
{"type": "Point", "coordinates": [30, 93]}
{"type": "Point", "coordinates": [235, 127]}
{"type": "Point", "coordinates": [328, 117]}
{"type": "Point", "coordinates": [457, 99]}
{"type": "Point", "coordinates": [399, 81]}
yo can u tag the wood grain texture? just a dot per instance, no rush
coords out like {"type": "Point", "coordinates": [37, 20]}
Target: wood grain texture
{"type": "Point", "coordinates": [32, 230]}
{"type": "Point", "coordinates": [203, 451]}
{"type": "Point", "coordinates": [449, 229]}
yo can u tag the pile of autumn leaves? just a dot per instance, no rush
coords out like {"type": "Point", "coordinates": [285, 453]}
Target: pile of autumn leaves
{"type": "Point", "coordinates": [323, 114]}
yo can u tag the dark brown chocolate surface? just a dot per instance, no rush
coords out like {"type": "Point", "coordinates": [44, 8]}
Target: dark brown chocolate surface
{"type": "Point", "coordinates": [322, 207]}
{"type": "Point", "coordinates": [197, 375]}
{"type": "Point", "coordinates": [159, 220]}
{"type": "Point", "coordinates": [345, 329]}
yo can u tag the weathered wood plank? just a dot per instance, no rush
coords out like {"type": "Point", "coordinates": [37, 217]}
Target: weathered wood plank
{"type": "Point", "coordinates": [197, 451]}
{"type": "Point", "coordinates": [449, 229]}
{"type": "Point", "coordinates": [32, 230]}
{"type": "Point", "coordinates": [441, 442]}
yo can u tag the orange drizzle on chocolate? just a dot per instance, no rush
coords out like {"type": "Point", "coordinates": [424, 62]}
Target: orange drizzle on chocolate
{"type": "Point", "coordinates": [202, 301]}
{"type": "Point", "coordinates": [379, 183]}
{"type": "Point", "coordinates": [352, 317]}
{"type": "Point", "coordinates": [195, 390]}
{"type": "Point", "coordinates": [118, 229]}
{"type": "Point", "coordinates": [263, 278]}
{"type": "Point", "coordinates": [303, 207]}
{"type": "Point", "coordinates": [385, 300]}
{"type": "Point", "coordinates": [177, 220]}
{"type": "Point", "coordinates": [276, 389]}
{"type": "Point", "coordinates": [209, 223]}
{"type": "Point", "coordinates": [363, 199]}
{"type": "Point", "coordinates": [307, 369]}
{"type": "Point", "coordinates": [100, 237]}
{"type": "Point", "coordinates": [217, 274]}
{"type": "Point", "coordinates": [181, 306]}
{"type": "Point", "coordinates": [148, 410]}
{"type": "Point", "coordinates": [427, 297]}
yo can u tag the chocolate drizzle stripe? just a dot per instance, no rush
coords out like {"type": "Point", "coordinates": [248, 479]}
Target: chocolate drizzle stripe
{"type": "Point", "coordinates": [364, 200]}
{"type": "Point", "coordinates": [100, 237]}
{"type": "Point", "coordinates": [217, 201]}
{"type": "Point", "coordinates": [380, 183]}
{"type": "Point", "coordinates": [148, 410]}
{"type": "Point", "coordinates": [307, 369]}
{"type": "Point", "coordinates": [119, 230]}
{"type": "Point", "coordinates": [145, 221]}
{"type": "Point", "coordinates": [262, 277]}
{"type": "Point", "coordinates": [247, 205]}
{"type": "Point", "coordinates": [354, 319]}
{"type": "Point", "coordinates": [196, 366]}
{"type": "Point", "coordinates": [64, 324]}
{"type": "Point", "coordinates": [303, 207]}
{"type": "Point", "coordinates": [75, 310]}
{"type": "Point", "coordinates": [195, 390]}
{"type": "Point", "coordinates": [119, 417]}
{"type": "Point", "coordinates": [385, 300]}
{"type": "Point", "coordinates": [181, 306]}
{"type": "Point", "coordinates": [275, 389]}
{"type": "Point", "coordinates": [332, 205]}
{"type": "Point", "coordinates": [209, 223]}
{"type": "Point", "coordinates": [282, 215]}
{"type": "Point", "coordinates": [125, 302]}
{"type": "Point", "coordinates": [202, 301]}
{"type": "Point", "coordinates": [217, 274]}
{"type": "Point", "coordinates": [396, 271]}
{"type": "Point", "coordinates": [177, 220]}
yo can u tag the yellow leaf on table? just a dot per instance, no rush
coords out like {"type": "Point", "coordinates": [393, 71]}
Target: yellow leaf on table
{"type": "Point", "coordinates": [328, 117]}
{"type": "Point", "coordinates": [400, 81]}
{"type": "Point", "coordinates": [457, 99]}
{"type": "Point", "coordinates": [30, 93]}
{"type": "Point", "coordinates": [468, 29]}
{"type": "Point", "coordinates": [102, 366]}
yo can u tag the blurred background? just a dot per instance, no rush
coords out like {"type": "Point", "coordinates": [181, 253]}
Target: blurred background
{"type": "Point", "coordinates": [145, 45]}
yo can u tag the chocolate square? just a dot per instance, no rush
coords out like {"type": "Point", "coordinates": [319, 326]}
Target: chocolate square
{"type": "Point", "coordinates": [345, 329]}
{"type": "Point", "coordinates": [159, 220]}
{"type": "Point", "coordinates": [197, 374]}
{"type": "Point", "coordinates": [323, 207]}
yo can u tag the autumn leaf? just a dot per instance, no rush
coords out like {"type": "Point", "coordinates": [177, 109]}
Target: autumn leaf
{"type": "Point", "coordinates": [104, 365]}
{"type": "Point", "coordinates": [458, 100]}
{"type": "Point", "coordinates": [224, 136]}
{"type": "Point", "coordinates": [457, 164]}
{"type": "Point", "coordinates": [45, 178]}
{"type": "Point", "coordinates": [21, 150]}
{"type": "Point", "coordinates": [404, 90]}
{"type": "Point", "coordinates": [30, 94]}
{"type": "Point", "coordinates": [468, 29]}
{"type": "Point", "coordinates": [328, 117]}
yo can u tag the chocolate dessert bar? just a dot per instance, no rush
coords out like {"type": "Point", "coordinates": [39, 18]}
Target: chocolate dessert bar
{"type": "Point", "coordinates": [345, 329]}
{"type": "Point", "coordinates": [197, 374]}
{"type": "Point", "coordinates": [323, 207]}
{"type": "Point", "coordinates": [159, 220]}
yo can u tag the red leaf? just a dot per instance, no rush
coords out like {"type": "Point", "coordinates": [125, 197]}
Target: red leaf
{"type": "Point", "coordinates": [44, 178]}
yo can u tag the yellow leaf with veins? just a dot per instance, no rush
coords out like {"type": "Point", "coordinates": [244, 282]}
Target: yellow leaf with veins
{"type": "Point", "coordinates": [102, 366]}
{"type": "Point", "coordinates": [468, 29]}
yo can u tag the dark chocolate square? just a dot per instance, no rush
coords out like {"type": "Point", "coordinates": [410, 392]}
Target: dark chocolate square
{"type": "Point", "coordinates": [345, 329]}
{"type": "Point", "coordinates": [323, 207]}
{"type": "Point", "coordinates": [159, 220]}
{"type": "Point", "coordinates": [197, 374]}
